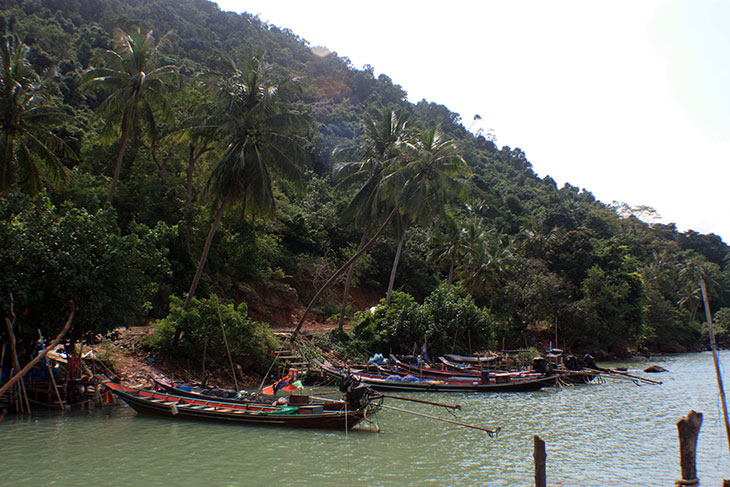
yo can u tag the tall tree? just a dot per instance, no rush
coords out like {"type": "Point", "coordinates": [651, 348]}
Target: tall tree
{"type": "Point", "coordinates": [437, 158]}
{"type": "Point", "coordinates": [378, 151]}
{"type": "Point", "coordinates": [136, 90]}
{"type": "Point", "coordinates": [419, 186]}
{"type": "Point", "coordinates": [262, 138]}
{"type": "Point", "coordinates": [447, 245]}
{"type": "Point", "coordinates": [25, 137]}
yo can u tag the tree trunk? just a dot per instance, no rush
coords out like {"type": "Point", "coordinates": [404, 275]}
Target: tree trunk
{"type": "Point", "coordinates": [206, 249]}
{"type": "Point", "coordinates": [348, 280]}
{"type": "Point", "coordinates": [394, 269]}
{"type": "Point", "coordinates": [201, 264]}
{"type": "Point", "coordinates": [117, 168]}
{"type": "Point", "coordinates": [451, 276]}
{"type": "Point", "coordinates": [342, 269]}
{"type": "Point", "coordinates": [189, 196]}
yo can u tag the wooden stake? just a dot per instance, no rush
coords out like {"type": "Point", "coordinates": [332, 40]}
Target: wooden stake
{"type": "Point", "coordinates": [689, 429]}
{"type": "Point", "coordinates": [55, 388]}
{"type": "Point", "coordinates": [540, 457]}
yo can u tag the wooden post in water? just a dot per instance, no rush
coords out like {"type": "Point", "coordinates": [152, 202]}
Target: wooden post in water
{"type": "Point", "coordinates": [689, 429]}
{"type": "Point", "coordinates": [540, 456]}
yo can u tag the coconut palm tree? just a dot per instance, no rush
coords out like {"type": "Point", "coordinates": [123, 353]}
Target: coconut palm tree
{"type": "Point", "coordinates": [418, 185]}
{"type": "Point", "coordinates": [437, 160]}
{"type": "Point", "coordinates": [259, 134]}
{"type": "Point", "coordinates": [136, 89]}
{"type": "Point", "coordinates": [447, 245]}
{"type": "Point", "coordinates": [368, 162]}
{"type": "Point", "coordinates": [25, 138]}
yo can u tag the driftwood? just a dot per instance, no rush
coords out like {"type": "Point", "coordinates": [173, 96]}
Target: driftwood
{"type": "Point", "coordinates": [689, 429]}
{"type": "Point", "coordinates": [40, 356]}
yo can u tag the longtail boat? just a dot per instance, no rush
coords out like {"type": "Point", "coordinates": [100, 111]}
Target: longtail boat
{"type": "Point", "coordinates": [571, 376]}
{"type": "Point", "coordinates": [162, 384]}
{"type": "Point", "coordinates": [396, 382]}
{"type": "Point", "coordinates": [156, 403]}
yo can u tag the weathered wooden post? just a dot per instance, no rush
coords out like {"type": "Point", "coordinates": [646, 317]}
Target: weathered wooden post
{"type": "Point", "coordinates": [689, 429]}
{"type": "Point", "coordinates": [539, 455]}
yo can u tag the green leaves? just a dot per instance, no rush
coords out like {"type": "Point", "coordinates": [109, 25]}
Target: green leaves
{"type": "Point", "coordinates": [52, 255]}
{"type": "Point", "coordinates": [26, 123]}
{"type": "Point", "coordinates": [251, 343]}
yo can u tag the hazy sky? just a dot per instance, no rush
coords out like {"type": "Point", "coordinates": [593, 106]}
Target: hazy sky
{"type": "Point", "coordinates": [627, 99]}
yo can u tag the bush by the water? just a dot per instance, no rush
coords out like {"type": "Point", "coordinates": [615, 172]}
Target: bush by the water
{"type": "Point", "coordinates": [447, 322]}
{"type": "Point", "coordinates": [199, 329]}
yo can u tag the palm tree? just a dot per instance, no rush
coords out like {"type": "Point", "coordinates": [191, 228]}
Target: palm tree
{"type": "Point", "coordinates": [259, 133]}
{"type": "Point", "coordinates": [489, 257]}
{"type": "Point", "coordinates": [25, 139]}
{"type": "Point", "coordinates": [448, 245]}
{"type": "Point", "coordinates": [136, 88]}
{"type": "Point", "coordinates": [437, 160]}
{"type": "Point", "coordinates": [419, 185]}
{"type": "Point", "coordinates": [378, 151]}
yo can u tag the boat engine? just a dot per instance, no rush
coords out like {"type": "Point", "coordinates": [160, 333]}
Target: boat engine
{"type": "Point", "coordinates": [357, 394]}
{"type": "Point", "coordinates": [542, 365]}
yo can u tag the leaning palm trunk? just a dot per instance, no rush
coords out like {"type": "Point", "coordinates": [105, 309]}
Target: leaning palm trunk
{"type": "Point", "coordinates": [201, 264]}
{"type": "Point", "coordinates": [206, 249]}
{"type": "Point", "coordinates": [451, 276]}
{"type": "Point", "coordinates": [348, 280]}
{"type": "Point", "coordinates": [117, 168]}
{"type": "Point", "coordinates": [393, 271]}
{"type": "Point", "coordinates": [342, 269]}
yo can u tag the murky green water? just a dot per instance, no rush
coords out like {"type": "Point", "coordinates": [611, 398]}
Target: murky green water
{"type": "Point", "coordinates": [610, 434]}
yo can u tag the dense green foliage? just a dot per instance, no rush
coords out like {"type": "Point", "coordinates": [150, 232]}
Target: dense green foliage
{"type": "Point", "coordinates": [286, 195]}
{"type": "Point", "coordinates": [445, 323]}
{"type": "Point", "coordinates": [251, 343]}
{"type": "Point", "coordinates": [51, 256]}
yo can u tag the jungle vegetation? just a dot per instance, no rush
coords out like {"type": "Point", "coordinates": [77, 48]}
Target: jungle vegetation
{"type": "Point", "coordinates": [161, 158]}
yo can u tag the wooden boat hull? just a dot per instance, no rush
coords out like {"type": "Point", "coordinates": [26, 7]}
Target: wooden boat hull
{"type": "Point", "coordinates": [380, 383]}
{"type": "Point", "coordinates": [169, 388]}
{"type": "Point", "coordinates": [170, 406]}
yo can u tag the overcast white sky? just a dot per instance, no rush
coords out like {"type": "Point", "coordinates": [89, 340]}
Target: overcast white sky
{"type": "Point", "coordinates": [627, 99]}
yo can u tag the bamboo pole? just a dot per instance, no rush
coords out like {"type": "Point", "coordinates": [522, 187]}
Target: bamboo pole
{"type": "Point", "coordinates": [22, 393]}
{"type": "Point", "coordinates": [400, 398]}
{"type": "Point", "coordinates": [225, 340]}
{"type": "Point", "coordinates": [55, 388]}
{"type": "Point", "coordinates": [492, 433]}
{"type": "Point", "coordinates": [18, 376]}
{"type": "Point", "coordinates": [715, 357]}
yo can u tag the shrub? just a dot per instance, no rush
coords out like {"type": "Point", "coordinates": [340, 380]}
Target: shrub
{"type": "Point", "coordinates": [251, 343]}
{"type": "Point", "coordinates": [448, 323]}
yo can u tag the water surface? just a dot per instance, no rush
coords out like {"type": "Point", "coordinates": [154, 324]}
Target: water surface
{"type": "Point", "coordinates": [607, 434]}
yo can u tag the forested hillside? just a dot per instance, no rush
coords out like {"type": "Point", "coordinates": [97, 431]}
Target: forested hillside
{"type": "Point", "coordinates": [156, 150]}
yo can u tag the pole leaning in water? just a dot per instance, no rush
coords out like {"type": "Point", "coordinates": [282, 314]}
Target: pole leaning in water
{"type": "Point", "coordinates": [715, 357]}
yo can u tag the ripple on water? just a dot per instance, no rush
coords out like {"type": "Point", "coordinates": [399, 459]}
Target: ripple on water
{"type": "Point", "coordinates": [610, 434]}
